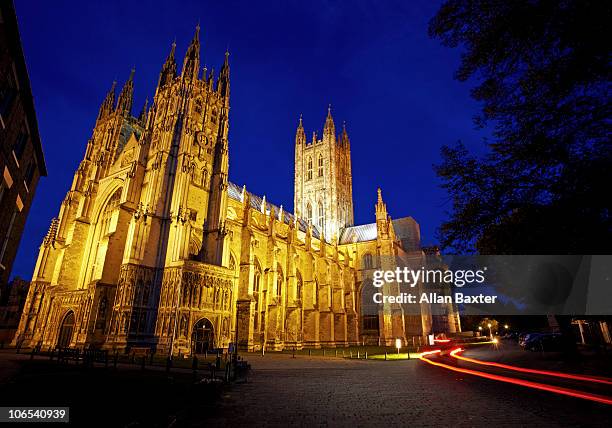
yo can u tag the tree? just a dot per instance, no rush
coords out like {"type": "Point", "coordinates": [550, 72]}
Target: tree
{"type": "Point", "coordinates": [541, 71]}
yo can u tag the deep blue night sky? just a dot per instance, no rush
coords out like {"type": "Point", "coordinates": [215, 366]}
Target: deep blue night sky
{"type": "Point", "coordinates": [372, 60]}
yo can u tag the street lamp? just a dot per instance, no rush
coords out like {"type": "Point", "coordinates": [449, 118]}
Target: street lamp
{"type": "Point", "coordinates": [398, 345]}
{"type": "Point", "coordinates": [506, 326]}
{"type": "Point", "coordinates": [480, 329]}
{"type": "Point", "coordinates": [490, 332]}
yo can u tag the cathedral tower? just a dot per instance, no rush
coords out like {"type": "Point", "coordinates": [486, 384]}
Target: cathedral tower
{"type": "Point", "coordinates": [323, 192]}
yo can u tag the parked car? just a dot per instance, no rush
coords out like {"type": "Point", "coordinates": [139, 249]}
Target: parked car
{"type": "Point", "coordinates": [546, 343]}
{"type": "Point", "coordinates": [526, 338]}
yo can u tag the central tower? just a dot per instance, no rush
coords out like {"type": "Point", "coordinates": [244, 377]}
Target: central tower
{"type": "Point", "coordinates": [323, 192]}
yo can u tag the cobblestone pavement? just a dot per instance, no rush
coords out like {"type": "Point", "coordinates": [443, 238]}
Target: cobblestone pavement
{"type": "Point", "coordinates": [335, 392]}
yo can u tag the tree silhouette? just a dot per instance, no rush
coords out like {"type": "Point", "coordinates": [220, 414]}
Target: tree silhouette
{"type": "Point", "coordinates": [541, 71]}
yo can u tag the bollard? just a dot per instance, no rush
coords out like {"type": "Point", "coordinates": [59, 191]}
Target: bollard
{"type": "Point", "coordinates": [309, 352]}
{"type": "Point", "coordinates": [323, 351]}
{"type": "Point", "coordinates": [293, 356]}
{"type": "Point", "coordinates": [358, 354]}
{"type": "Point", "coordinates": [343, 353]}
{"type": "Point", "coordinates": [351, 354]}
{"type": "Point", "coordinates": [385, 355]}
{"type": "Point", "coordinates": [366, 355]}
{"type": "Point", "coordinates": [336, 353]}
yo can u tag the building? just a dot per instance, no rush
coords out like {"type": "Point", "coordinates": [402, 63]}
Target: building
{"type": "Point", "coordinates": [21, 157]}
{"type": "Point", "coordinates": [155, 247]}
{"type": "Point", "coordinates": [10, 311]}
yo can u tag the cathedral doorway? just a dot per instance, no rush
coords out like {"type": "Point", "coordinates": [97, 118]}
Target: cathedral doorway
{"type": "Point", "coordinates": [66, 329]}
{"type": "Point", "coordinates": [202, 338]}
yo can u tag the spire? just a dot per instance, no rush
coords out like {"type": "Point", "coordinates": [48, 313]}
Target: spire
{"type": "Point", "coordinates": [344, 136]}
{"type": "Point", "coordinates": [382, 218]}
{"type": "Point", "coordinates": [300, 135]}
{"type": "Point", "coordinates": [329, 128]}
{"type": "Point", "coordinates": [191, 63]}
{"type": "Point", "coordinates": [109, 102]}
{"type": "Point", "coordinates": [224, 77]}
{"type": "Point", "coordinates": [143, 113]}
{"type": "Point", "coordinates": [124, 102]}
{"type": "Point", "coordinates": [168, 71]}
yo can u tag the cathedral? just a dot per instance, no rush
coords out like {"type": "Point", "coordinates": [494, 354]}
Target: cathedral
{"type": "Point", "coordinates": [154, 247]}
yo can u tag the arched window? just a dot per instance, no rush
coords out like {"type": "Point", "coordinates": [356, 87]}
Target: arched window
{"type": "Point", "coordinates": [256, 281]}
{"type": "Point", "coordinates": [113, 203]}
{"type": "Point", "coordinates": [369, 309]}
{"type": "Point", "coordinates": [320, 166]}
{"type": "Point", "coordinates": [321, 215]}
{"type": "Point", "coordinates": [198, 106]}
{"type": "Point", "coordinates": [367, 261]}
{"type": "Point", "coordinates": [298, 285]}
{"type": "Point", "coordinates": [309, 213]}
{"type": "Point", "coordinates": [309, 173]}
{"type": "Point", "coordinates": [315, 293]}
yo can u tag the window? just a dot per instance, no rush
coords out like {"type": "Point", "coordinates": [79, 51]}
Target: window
{"type": "Point", "coordinates": [29, 175]}
{"type": "Point", "coordinates": [7, 95]}
{"type": "Point", "coordinates": [20, 145]}
{"type": "Point", "coordinates": [370, 322]}
{"type": "Point", "coordinates": [309, 213]}
{"type": "Point", "coordinates": [108, 212]}
{"type": "Point", "coordinates": [309, 174]}
{"type": "Point", "coordinates": [367, 261]}
{"type": "Point", "coordinates": [7, 237]}
{"type": "Point", "coordinates": [320, 165]}
{"type": "Point", "coordinates": [256, 281]}
{"type": "Point", "coordinates": [316, 293]}
{"type": "Point", "coordinates": [321, 216]}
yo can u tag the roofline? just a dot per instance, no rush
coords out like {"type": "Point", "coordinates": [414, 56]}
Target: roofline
{"type": "Point", "coordinates": [14, 41]}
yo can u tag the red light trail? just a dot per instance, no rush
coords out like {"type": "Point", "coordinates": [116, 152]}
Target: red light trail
{"type": "Point", "coordinates": [535, 385]}
{"type": "Point", "coordinates": [525, 370]}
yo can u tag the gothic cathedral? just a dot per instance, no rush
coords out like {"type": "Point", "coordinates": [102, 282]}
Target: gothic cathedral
{"type": "Point", "coordinates": [155, 247]}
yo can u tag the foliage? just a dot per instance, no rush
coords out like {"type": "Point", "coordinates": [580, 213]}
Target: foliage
{"type": "Point", "coordinates": [541, 71]}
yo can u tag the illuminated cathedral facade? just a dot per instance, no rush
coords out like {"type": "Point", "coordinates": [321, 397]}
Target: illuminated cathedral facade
{"type": "Point", "coordinates": [155, 247]}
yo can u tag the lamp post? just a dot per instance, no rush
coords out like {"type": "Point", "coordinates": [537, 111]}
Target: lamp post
{"type": "Point", "coordinates": [490, 332]}
{"type": "Point", "coordinates": [398, 345]}
{"type": "Point", "coordinates": [506, 326]}
{"type": "Point", "coordinates": [480, 329]}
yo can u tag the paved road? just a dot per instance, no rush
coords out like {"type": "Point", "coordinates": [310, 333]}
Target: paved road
{"type": "Point", "coordinates": [332, 392]}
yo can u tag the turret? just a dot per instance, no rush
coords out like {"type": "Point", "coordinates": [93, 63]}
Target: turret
{"type": "Point", "coordinates": [382, 217]}
{"type": "Point", "coordinates": [108, 104]}
{"type": "Point", "coordinates": [168, 71]}
{"type": "Point", "coordinates": [300, 134]}
{"type": "Point", "coordinates": [223, 85]}
{"type": "Point", "coordinates": [191, 62]}
{"type": "Point", "coordinates": [329, 130]}
{"type": "Point", "coordinates": [124, 102]}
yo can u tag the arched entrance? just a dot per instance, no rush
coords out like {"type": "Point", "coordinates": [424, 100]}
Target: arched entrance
{"type": "Point", "coordinates": [66, 329]}
{"type": "Point", "coordinates": [202, 338]}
